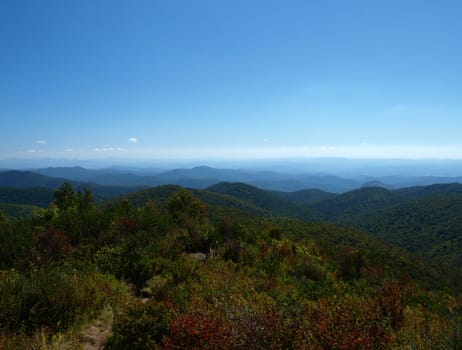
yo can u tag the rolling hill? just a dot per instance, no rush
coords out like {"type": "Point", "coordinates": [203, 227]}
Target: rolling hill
{"type": "Point", "coordinates": [349, 206]}
{"type": "Point", "coordinates": [37, 196]}
{"type": "Point", "coordinates": [217, 202]}
{"type": "Point", "coordinates": [430, 226]}
{"type": "Point", "coordinates": [264, 199]}
{"type": "Point", "coordinates": [309, 196]}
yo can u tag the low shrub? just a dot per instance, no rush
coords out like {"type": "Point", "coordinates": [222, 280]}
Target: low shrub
{"type": "Point", "coordinates": [53, 299]}
{"type": "Point", "coordinates": [141, 326]}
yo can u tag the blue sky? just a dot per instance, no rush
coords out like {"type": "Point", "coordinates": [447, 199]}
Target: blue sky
{"type": "Point", "coordinates": [230, 79]}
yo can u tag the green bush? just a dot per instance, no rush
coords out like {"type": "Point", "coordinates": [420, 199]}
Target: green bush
{"type": "Point", "coordinates": [141, 326]}
{"type": "Point", "coordinates": [54, 299]}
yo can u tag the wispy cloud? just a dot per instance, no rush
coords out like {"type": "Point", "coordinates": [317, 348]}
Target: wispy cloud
{"type": "Point", "coordinates": [362, 150]}
{"type": "Point", "coordinates": [133, 140]}
{"type": "Point", "coordinates": [41, 142]}
{"type": "Point", "coordinates": [108, 149]}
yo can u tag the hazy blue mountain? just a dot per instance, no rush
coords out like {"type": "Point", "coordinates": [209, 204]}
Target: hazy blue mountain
{"type": "Point", "coordinates": [419, 191]}
{"type": "Point", "coordinates": [204, 176]}
{"type": "Point", "coordinates": [25, 179]}
{"type": "Point", "coordinates": [203, 172]}
{"type": "Point", "coordinates": [400, 181]}
{"type": "Point", "coordinates": [262, 179]}
{"type": "Point", "coordinates": [72, 173]}
{"type": "Point", "coordinates": [375, 183]}
{"type": "Point", "coordinates": [29, 181]}
{"type": "Point", "coordinates": [323, 182]}
{"type": "Point", "coordinates": [107, 176]}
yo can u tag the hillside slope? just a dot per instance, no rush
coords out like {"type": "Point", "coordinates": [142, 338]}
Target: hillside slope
{"type": "Point", "coordinates": [265, 200]}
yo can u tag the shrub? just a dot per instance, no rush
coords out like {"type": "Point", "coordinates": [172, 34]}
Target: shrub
{"type": "Point", "coordinates": [53, 299]}
{"type": "Point", "coordinates": [197, 330]}
{"type": "Point", "coordinates": [51, 244]}
{"type": "Point", "coordinates": [141, 326]}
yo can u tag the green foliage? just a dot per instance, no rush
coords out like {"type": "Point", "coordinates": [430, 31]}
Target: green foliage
{"type": "Point", "coordinates": [2, 218]}
{"type": "Point", "coordinates": [190, 213]}
{"type": "Point", "coordinates": [19, 211]}
{"type": "Point", "coordinates": [36, 196]}
{"type": "Point", "coordinates": [216, 277]}
{"type": "Point", "coordinates": [351, 205]}
{"type": "Point", "coordinates": [129, 260]}
{"type": "Point", "coordinates": [52, 298]}
{"type": "Point", "coordinates": [309, 196]}
{"type": "Point", "coordinates": [263, 199]}
{"type": "Point", "coordinates": [16, 242]}
{"type": "Point", "coordinates": [65, 197]}
{"type": "Point", "coordinates": [141, 326]}
{"type": "Point", "coordinates": [430, 225]}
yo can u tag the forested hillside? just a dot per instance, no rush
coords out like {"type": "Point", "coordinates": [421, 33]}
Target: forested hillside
{"type": "Point", "coordinates": [430, 226]}
{"type": "Point", "coordinates": [167, 268]}
{"type": "Point", "coordinates": [423, 220]}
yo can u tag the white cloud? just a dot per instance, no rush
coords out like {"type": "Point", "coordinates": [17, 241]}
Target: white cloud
{"type": "Point", "coordinates": [133, 140]}
{"type": "Point", "coordinates": [41, 142]}
{"type": "Point", "coordinates": [108, 149]}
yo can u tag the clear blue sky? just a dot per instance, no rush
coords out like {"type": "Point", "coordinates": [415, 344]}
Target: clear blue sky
{"type": "Point", "coordinates": [227, 79]}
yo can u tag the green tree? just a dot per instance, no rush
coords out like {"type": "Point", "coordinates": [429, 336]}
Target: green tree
{"type": "Point", "coordinates": [2, 218]}
{"type": "Point", "coordinates": [85, 200]}
{"type": "Point", "coordinates": [190, 213]}
{"type": "Point", "coordinates": [65, 197]}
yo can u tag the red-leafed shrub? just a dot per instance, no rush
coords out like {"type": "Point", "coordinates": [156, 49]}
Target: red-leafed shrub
{"type": "Point", "coordinates": [51, 243]}
{"type": "Point", "coordinates": [351, 324]}
{"type": "Point", "coordinates": [391, 299]}
{"type": "Point", "coordinates": [197, 331]}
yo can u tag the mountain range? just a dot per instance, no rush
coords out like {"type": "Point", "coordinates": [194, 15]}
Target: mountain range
{"type": "Point", "coordinates": [203, 176]}
{"type": "Point", "coordinates": [424, 220]}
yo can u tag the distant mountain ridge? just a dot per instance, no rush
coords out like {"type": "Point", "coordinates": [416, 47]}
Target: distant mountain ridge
{"type": "Point", "coordinates": [26, 179]}
{"type": "Point", "coordinates": [202, 177]}
{"type": "Point", "coordinates": [22, 180]}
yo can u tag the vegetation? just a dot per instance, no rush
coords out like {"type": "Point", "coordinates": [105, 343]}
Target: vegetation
{"type": "Point", "coordinates": [310, 196]}
{"type": "Point", "coordinates": [38, 196]}
{"type": "Point", "coordinates": [265, 200]}
{"type": "Point", "coordinates": [184, 269]}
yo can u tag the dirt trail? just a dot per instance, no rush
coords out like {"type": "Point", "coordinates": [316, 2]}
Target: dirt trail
{"type": "Point", "coordinates": [95, 336]}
